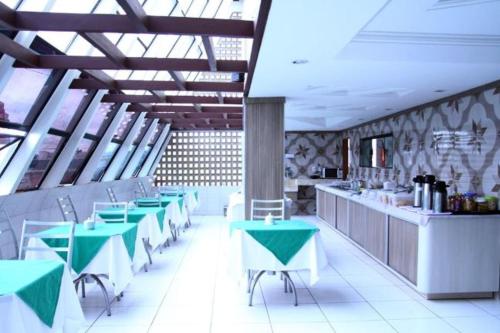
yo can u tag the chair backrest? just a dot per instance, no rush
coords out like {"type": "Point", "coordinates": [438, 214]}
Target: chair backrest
{"type": "Point", "coordinates": [111, 194]}
{"type": "Point", "coordinates": [32, 230]}
{"type": "Point", "coordinates": [142, 189]}
{"type": "Point", "coordinates": [148, 202]}
{"type": "Point", "coordinates": [67, 209]}
{"type": "Point", "coordinates": [114, 212]}
{"type": "Point", "coordinates": [260, 209]}
{"type": "Point", "coordinates": [7, 234]}
{"type": "Point", "coordinates": [168, 190]}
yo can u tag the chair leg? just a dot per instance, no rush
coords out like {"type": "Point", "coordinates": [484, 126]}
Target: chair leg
{"type": "Point", "coordinates": [104, 293]}
{"type": "Point", "coordinates": [83, 288]}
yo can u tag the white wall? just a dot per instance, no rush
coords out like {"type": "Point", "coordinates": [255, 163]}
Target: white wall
{"type": "Point", "coordinates": [213, 199]}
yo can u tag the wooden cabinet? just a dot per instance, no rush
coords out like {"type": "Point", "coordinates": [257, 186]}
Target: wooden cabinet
{"type": "Point", "coordinates": [357, 222]}
{"type": "Point", "coordinates": [326, 206]}
{"type": "Point", "coordinates": [342, 215]}
{"type": "Point", "coordinates": [403, 248]}
{"type": "Point", "coordinates": [331, 209]}
{"type": "Point", "coordinates": [375, 238]}
{"type": "Point", "coordinates": [320, 204]}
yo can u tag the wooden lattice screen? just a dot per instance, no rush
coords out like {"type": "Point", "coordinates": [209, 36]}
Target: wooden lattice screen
{"type": "Point", "coordinates": [202, 158]}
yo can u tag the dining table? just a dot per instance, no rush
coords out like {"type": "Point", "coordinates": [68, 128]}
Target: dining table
{"type": "Point", "coordinates": [175, 212]}
{"type": "Point", "coordinates": [150, 222]}
{"type": "Point", "coordinates": [113, 250]}
{"type": "Point", "coordinates": [38, 296]}
{"type": "Point", "coordinates": [283, 246]}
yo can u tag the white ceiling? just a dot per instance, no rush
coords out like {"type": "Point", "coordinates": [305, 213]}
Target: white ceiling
{"type": "Point", "coordinates": [372, 58]}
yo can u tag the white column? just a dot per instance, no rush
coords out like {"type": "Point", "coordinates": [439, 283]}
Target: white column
{"type": "Point", "coordinates": [154, 152]}
{"type": "Point", "coordinates": [139, 151]}
{"type": "Point", "coordinates": [115, 165]}
{"type": "Point", "coordinates": [88, 171]}
{"type": "Point", "coordinates": [14, 172]}
{"type": "Point", "coordinates": [23, 38]}
{"type": "Point", "coordinates": [62, 163]}
{"type": "Point", "coordinates": [152, 170]}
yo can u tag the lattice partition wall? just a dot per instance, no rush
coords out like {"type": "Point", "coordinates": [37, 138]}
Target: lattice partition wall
{"type": "Point", "coordinates": [202, 158]}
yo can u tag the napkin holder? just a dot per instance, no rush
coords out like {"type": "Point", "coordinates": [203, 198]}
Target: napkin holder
{"type": "Point", "coordinates": [268, 220]}
{"type": "Point", "coordinates": [89, 224]}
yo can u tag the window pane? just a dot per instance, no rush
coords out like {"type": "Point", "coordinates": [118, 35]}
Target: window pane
{"type": "Point", "coordinates": [69, 108]}
{"type": "Point", "coordinates": [104, 161]}
{"type": "Point", "coordinates": [125, 161]}
{"type": "Point", "coordinates": [21, 92]}
{"type": "Point", "coordinates": [145, 154]}
{"type": "Point", "coordinates": [40, 164]}
{"type": "Point", "coordinates": [76, 164]}
{"type": "Point", "coordinates": [124, 126]}
{"type": "Point", "coordinates": [100, 119]}
{"type": "Point", "coordinates": [8, 146]}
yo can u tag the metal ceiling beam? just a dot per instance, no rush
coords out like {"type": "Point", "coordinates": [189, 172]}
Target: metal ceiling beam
{"type": "Point", "coordinates": [260, 27]}
{"type": "Point", "coordinates": [43, 21]}
{"type": "Point", "coordinates": [24, 55]}
{"type": "Point", "coordinates": [209, 50]}
{"type": "Point", "coordinates": [122, 98]}
{"type": "Point", "coordinates": [103, 44]}
{"type": "Point", "coordinates": [136, 63]}
{"type": "Point", "coordinates": [194, 115]}
{"type": "Point", "coordinates": [135, 13]}
{"type": "Point", "coordinates": [184, 108]}
{"type": "Point", "coordinates": [7, 17]}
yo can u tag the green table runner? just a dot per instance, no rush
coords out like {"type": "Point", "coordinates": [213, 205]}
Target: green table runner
{"type": "Point", "coordinates": [36, 282]}
{"type": "Point", "coordinates": [164, 199]}
{"type": "Point", "coordinates": [284, 239]}
{"type": "Point", "coordinates": [87, 243]}
{"type": "Point", "coordinates": [134, 215]}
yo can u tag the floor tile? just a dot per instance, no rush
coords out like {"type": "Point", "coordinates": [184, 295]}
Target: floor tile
{"type": "Point", "coordinates": [278, 296]}
{"type": "Point", "coordinates": [241, 328]}
{"type": "Point", "coordinates": [383, 293]}
{"type": "Point", "coordinates": [486, 324]}
{"type": "Point", "coordinates": [402, 309]}
{"type": "Point", "coordinates": [179, 328]}
{"type": "Point", "coordinates": [133, 316]}
{"type": "Point", "coordinates": [362, 327]}
{"type": "Point", "coordinates": [423, 325]}
{"type": "Point", "coordinates": [453, 308]}
{"type": "Point", "coordinates": [121, 329]}
{"type": "Point", "coordinates": [303, 328]}
{"type": "Point", "coordinates": [240, 314]}
{"type": "Point", "coordinates": [184, 314]}
{"type": "Point", "coordinates": [353, 311]}
{"type": "Point", "coordinates": [492, 305]}
{"type": "Point", "coordinates": [288, 313]}
{"type": "Point", "coordinates": [333, 295]}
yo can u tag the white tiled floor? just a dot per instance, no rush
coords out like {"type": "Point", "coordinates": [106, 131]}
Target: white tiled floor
{"type": "Point", "coordinates": [188, 289]}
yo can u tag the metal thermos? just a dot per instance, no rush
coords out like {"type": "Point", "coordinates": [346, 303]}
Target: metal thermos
{"type": "Point", "coordinates": [418, 182]}
{"type": "Point", "coordinates": [440, 197]}
{"type": "Point", "coordinates": [427, 192]}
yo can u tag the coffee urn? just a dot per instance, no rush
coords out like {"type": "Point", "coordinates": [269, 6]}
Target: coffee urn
{"type": "Point", "coordinates": [440, 197]}
{"type": "Point", "coordinates": [427, 192]}
{"type": "Point", "coordinates": [418, 182]}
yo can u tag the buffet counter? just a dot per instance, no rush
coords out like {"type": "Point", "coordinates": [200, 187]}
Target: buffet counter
{"type": "Point", "coordinates": [440, 255]}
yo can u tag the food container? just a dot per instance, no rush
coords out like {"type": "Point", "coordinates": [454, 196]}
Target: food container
{"type": "Point", "coordinates": [482, 205]}
{"type": "Point", "coordinates": [470, 202]}
{"type": "Point", "coordinates": [491, 202]}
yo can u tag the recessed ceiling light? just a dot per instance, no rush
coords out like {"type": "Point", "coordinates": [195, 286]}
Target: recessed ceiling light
{"type": "Point", "coordinates": [439, 90]}
{"type": "Point", "coordinates": [300, 61]}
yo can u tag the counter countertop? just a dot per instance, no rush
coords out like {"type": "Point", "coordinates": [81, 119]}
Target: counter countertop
{"type": "Point", "coordinates": [400, 212]}
{"type": "Point", "coordinates": [292, 184]}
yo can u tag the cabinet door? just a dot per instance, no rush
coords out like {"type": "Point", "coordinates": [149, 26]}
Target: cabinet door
{"type": "Point", "coordinates": [332, 207]}
{"type": "Point", "coordinates": [375, 233]}
{"type": "Point", "coordinates": [320, 204]}
{"type": "Point", "coordinates": [403, 248]}
{"type": "Point", "coordinates": [357, 220]}
{"type": "Point", "coordinates": [342, 213]}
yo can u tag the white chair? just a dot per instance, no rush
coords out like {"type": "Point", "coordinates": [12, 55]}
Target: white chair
{"type": "Point", "coordinates": [111, 194]}
{"type": "Point", "coordinates": [142, 189]}
{"type": "Point", "coordinates": [261, 208]}
{"type": "Point", "coordinates": [109, 207]}
{"type": "Point", "coordinates": [32, 230]}
{"type": "Point", "coordinates": [67, 208]}
{"type": "Point", "coordinates": [149, 202]}
{"type": "Point", "coordinates": [168, 190]}
{"type": "Point", "coordinates": [7, 230]}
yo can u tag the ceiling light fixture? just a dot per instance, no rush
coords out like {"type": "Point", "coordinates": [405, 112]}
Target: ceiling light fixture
{"type": "Point", "coordinates": [300, 61]}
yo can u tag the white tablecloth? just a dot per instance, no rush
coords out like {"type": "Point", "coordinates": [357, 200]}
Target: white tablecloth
{"type": "Point", "coordinates": [17, 317]}
{"type": "Point", "coordinates": [173, 213]}
{"type": "Point", "coordinates": [149, 228]}
{"type": "Point", "coordinates": [236, 207]}
{"type": "Point", "coordinates": [246, 253]}
{"type": "Point", "coordinates": [111, 260]}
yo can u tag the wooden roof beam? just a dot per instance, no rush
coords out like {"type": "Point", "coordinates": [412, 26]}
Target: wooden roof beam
{"type": "Point", "coordinates": [170, 25]}
{"type": "Point", "coordinates": [136, 14]}
{"type": "Point", "coordinates": [209, 50]}
{"type": "Point", "coordinates": [122, 98]}
{"type": "Point", "coordinates": [103, 44]}
{"type": "Point", "coordinates": [136, 63]}
{"type": "Point", "coordinates": [186, 108]}
{"type": "Point", "coordinates": [24, 55]}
